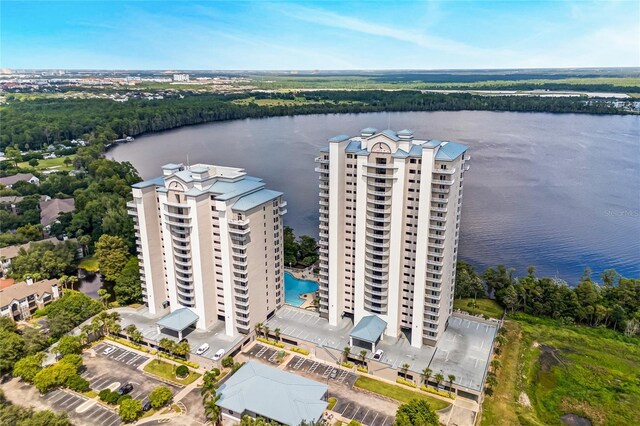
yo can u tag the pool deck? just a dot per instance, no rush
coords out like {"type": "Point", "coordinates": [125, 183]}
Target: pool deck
{"type": "Point", "coordinates": [307, 275]}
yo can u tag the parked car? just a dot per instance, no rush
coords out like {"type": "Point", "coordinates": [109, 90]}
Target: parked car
{"type": "Point", "coordinates": [125, 389]}
{"type": "Point", "coordinates": [334, 373]}
{"type": "Point", "coordinates": [378, 355]}
{"type": "Point", "coordinates": [108, 350]}
{"type": "Point", "coordinates": [202, 349]}
{"type": "Point", "coordinates": [146, 406]}
{"type": "Point", "coordinates": [218, 354]}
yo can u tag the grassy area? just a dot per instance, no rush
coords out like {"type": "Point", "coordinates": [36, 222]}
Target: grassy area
{"type": "Point", "coordinates": [51, 163]}
{"type": "Point", "coordinates": [89, 264]}
{"type": "Point", "coordinates": [167, 371]}
{"type": "Point", "coordinates": [589, 372]}
{"type": "Point", "coordinates": [90, 394]}
{"type": "Point", "coordinates": [396, 392]}
{"type": "Point", "coordinates": [486, 307]}
{"type": "Point", "coordinates": [332, 403]}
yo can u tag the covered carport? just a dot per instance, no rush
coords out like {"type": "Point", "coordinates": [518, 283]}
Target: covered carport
{"type": "Point", "coordinates": [178, 321]}
{"type": "Point", "coordinates": [367, 332]}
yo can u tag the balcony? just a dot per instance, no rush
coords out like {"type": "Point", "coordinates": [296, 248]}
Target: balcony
{"type": "Point", "coordinates": [323, 273]}
{"type": "Point", "coordinates": [321, 160]}
{"type": "Point", "coordinates": [182, 262]}
{"type": "Point", "coordinates": [174, 215]}
{"type": "Point", "coordinates": [240, 286]}
{"type": "Point", "coordinates": [381, 302]}
{"type": "Point", "coordinates": [438, 227]}
{"type": "Point", "coordinates": [239, 221]}
{"type": "Point", "coordinates": [386, 202]}
{"type": "Point", "coordinates": [380, 166]}
{"type": "Point", "coordinates": [444, 171]}
{"type": "Point", "coordinates": [176, 238]}
{"type": "Point", "coordinates": [238, 231]}
{"type": "Point", "coordinates": [323, 250]}
{"type": "Point", "coordinates": [175, 222]}
{"type": "Point", "coordinates": [186, 294]}
{"type": "Point", "coordinates": [383, 277]}
{"type": "Point", "coordinates": [439, 209]}
{"type": "Point", "coordinates": [380, 184]}
{"type": "Point", "coordinates": [369, 250]}
{"type": "Point", "coordinates": [378, 228]}
{"type": "Point", "coordinates": [240, 263]}
{"type": "Point", "coordinates": [440, 190]}
{"type": "Point", "coordinates": [323, 226]}
{"type": "Point", "coordinates": [436, 245]}
{"type": "Point", "coordinates": [376, 268]}
{"type": "Point", "coordinates": [384, 236]}
{"type": "Point", "coordinates": [444, 182]}
{"type": "Point", "coordinates": [376, 291]}
{"type": "Point", "coordinates": [323, 185]}
{"type": "Point", "coordinates": [374, 175]}
{"type": "Point", "coordinates": [322, 202]}
{"type": "Point", "coordinates": [374, 260]}
{"type": "Point", "coordinates": [324, 170]}
{"type": "Point", "coordinates": [435, 262]}
{"type": "Point", "coordinates": [242, 309]}
{"type": "Point", "coordinates": [378, 192]}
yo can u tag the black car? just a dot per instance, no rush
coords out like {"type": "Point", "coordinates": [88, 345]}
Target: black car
{"type": "Point", "coordinates": [125, 389]}
{"type": "Point", "coordinates": [146, 406]}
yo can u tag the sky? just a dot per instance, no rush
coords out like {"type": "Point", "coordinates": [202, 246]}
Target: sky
{"type": "Point", "coordinates": [324, 35]}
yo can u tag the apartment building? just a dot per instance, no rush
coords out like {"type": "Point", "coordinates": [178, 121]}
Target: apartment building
{"type": "Point", "coordinates": [209, 239]}
{"type": "Point", "coordinates": [389, 226]}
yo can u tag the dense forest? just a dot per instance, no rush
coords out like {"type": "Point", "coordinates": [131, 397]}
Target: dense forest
{"type": "Point", "coordinates": [33, 124]}
{"type": "Point", "coordinates": [614, 304]}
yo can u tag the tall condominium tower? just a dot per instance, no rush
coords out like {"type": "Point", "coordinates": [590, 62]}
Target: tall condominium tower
{"type": "Point", "coordinates": [389, 226]}
{"type": "Point", "coordinates": [209, 239]}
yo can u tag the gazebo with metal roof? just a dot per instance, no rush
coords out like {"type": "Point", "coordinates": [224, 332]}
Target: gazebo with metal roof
{"type": "Point", "coordinates": [178, 321]}
{"type": "Point", "coordinates": [367, 332]}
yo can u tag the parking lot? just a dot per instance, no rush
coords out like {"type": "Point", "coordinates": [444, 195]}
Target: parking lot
{"type": "Point", "coordinates": [99, 415]}
{"type": "Point", "coordinates": [120, 367]}
{"type": "Point", "coordinates": [350, 409]}
{"type": "Point", "coordinates": [323, 371]}
{"type": "Point", "coordinates": [264, 353]}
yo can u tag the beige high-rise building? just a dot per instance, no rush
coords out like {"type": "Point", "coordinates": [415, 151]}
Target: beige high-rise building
{"type": "Point", "coordinates": [389, 227]}
{"type": "Point", "coordinates": [209, 239]}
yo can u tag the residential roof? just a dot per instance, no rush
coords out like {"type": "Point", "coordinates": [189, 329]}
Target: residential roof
{"type": "Point", "coordinates": [369, 328]}
{"type": "Point", "coordinates": [406, 132]}
{"type": "Point", "coordinates": [13, 199]}
{"type": "Point", "coordinates": [339, 138]}
{"type": "Point", "coordinates": [449, 151]}
{"type": "Point", "coordinates": [273, 394]}
{"type": "Point", "coordinates": [179, 319]}
{"type": "Point", "coordinates": [12, 251]}
{"type": "Point", "coordinates": [11, 180]}
{"type": "Point", "coordinates": [247, 202]}
{"type": "Point", "coordinates": [369, 130]}
{"type": "Point", "coordinates": [354, 146]}
{"type": "Point", "coordinates": [390, 134]}
{"type": "Point", "coordinates": [151, 182]}
{"type": "Point", "coordinates": [50, 209]}
{"type": "Point", "coordinates": [227, 190]}
{"type": "Point", "coordinates": [21, 290]}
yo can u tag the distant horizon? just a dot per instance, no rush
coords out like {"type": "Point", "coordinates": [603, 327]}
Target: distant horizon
{"type": "Point", "coordinates": [319, 35]}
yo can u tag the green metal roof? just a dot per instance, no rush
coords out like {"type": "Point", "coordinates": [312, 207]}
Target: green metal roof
{"type": "Point", "coordinates": [179, 319]}
{"type": "Point", "coordinates": [273, 394]}
{"type": "Point", "coordinates": [369, 329]}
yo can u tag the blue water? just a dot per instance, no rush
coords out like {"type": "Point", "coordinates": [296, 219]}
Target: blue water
{"type": "Point", "coordinates": [294, 287]}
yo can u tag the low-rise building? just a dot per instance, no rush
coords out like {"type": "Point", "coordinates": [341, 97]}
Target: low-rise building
{"type": "Point", "coordinates": [9, 181]}
{"type": "Point", "coordinates": [257, 390]}
{"type": "Point", "coordinates": [7, 254]}
{"type": "Point", "coordinates": [51, 208]}
{"type": "Point", "coordinates": [21, 300]}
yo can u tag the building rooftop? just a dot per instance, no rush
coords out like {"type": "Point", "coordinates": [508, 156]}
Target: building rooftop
{"type": "Point", "coordinates": [369, 329]}
{"type": "Point", "coordinates": [12, 251]}
{"type": "Point", "coordinates": [449, 151]}
{"type": "Point", "coordinates": [273, 394]}
{"type": "Point", "coordinates": [50, 209]}
{"type": "Point", "coordinates": [22, 289]}
{"type": "Point", "coordinates": [11, 180]}
{"type": "Point", "coordinates": [179, 319]}
{"type": "Point", "coordinates": [247, 202]}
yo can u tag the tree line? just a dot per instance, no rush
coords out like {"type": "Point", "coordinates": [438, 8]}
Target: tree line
{"type": "Point", "coordinates": [33, 124]}
{"type": "Point", "coordinates": [613, 303]}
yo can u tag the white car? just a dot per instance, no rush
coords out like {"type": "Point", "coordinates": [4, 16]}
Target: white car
{"type": "Point", "coordinates": [202, 349]}
{"type": "Point", "coordinates": [378, 355]}
{"type": "Point", "coordinates": [108, 350]}
{"type": "Point", "coordinates": [218, 354]}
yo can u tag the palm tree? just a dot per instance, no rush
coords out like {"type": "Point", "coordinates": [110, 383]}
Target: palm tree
{"type": "Point", "coordinates": [166, 344]}
{"type": "Point", "coordinates": [130, 330]}
{"type": "Point", "coordinates": [209, 384]}
{"type": "Point", "coordinates": [211, 409]}
{"type": "Point", "coordinates": [345, 352]}
{"type": "Point", "coordinates": [258, 328]}
{"type": "Point", "coordinates": [426, 373]}
{"type": "Point", "coordinates": [451, 378]}
{"type": "Point", "coordinates": [104, 296]}
{"type": "Point", "coordinates": [137, 336]}
{"type": "Point", "coordinates": [183, 348]}
{"type": "Point", "coordinates": [363, 355]}
{"type": "Point", "coordinates": [277, 333]}
{"type": "Point", "coordinates": [405, 368]}
{"type": "Point", "coordinates": [266, 330]}
{"type": "Point", "coordinates": [439, 379]}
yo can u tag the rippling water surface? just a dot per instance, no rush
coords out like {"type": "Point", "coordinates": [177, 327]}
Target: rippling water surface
{"type": "Point", "coordinates": [558, 191]}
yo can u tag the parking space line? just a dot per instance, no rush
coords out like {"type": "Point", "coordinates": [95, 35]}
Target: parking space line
{"type": "Point", "coordinates": [59, 397]}
{"type": "Point", "coordinates": [54, 393]}
{"type": "Point", "coordinates": [373, 422]}
{"type": "Point", "coordinates": [116, 421]}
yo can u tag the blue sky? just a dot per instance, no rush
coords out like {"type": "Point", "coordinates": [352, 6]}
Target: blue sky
{"type": "Point", "coordinates": [290, 35]}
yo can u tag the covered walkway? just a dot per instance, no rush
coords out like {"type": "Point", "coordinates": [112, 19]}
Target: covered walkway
{"type": "Point", "coordinates": [178, 321]}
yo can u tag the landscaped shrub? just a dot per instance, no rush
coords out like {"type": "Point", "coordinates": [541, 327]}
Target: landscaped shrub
{"type": "Point", "coordinates": [160, 396]}
{"type": "Point", "coordinates": [182, 371]}
{"type": "Point", "coordinates": [406, 382]}
{"type": "Point", "coordinates": [104, 394]}
{"type": "Point", "coordinates": [299, 350]}
{"type": "Point", "coordinates": [332, 403]}
{"type": "Point", "coordinates": [77, 384]}
{"type": "Point", "coordinates": [363, 369]}
{"type": "Point", "coordinates": [227, 362]}
{"type": "Point", "coordinates": [347, 364]}
{"type": "Point", "coordinates": [109, 396]}
{"type": "Point", "coordinates": [193, 365]}
{"type": "Point", "coordinates": [270, 342]}
{"type": "Point", "coordinates": [437, 392]}
{"type": "Point", "coordinates": [124, 398]}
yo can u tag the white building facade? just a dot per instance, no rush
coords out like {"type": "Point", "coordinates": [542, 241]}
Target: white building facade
{"type": "Point", "coordinates": [389, 226]}
{"type": "Point", "coordinates": [209, 239]}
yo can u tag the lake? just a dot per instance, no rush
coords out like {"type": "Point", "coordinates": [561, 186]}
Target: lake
{"type": "Point", "coordinates": [558, 191]}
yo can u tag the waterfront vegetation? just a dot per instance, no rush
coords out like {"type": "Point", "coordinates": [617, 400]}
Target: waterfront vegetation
{"type": "Point", "coordinates": [485, 307]}
{"type": "Point", "coordinates": [34, 123]}
{"type": "Point", "coordinates": [549, 369]}
{"type": "Point", "coordinates": [397, 392]}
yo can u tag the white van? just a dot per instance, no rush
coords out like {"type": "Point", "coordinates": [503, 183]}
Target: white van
{"type": "Point", "coordinates": [202, 349]}
{"type": "Point", "coordinates": [218, 355]}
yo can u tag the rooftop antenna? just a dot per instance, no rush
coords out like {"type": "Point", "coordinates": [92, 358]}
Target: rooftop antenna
{"type": "Point", "coordinates": [389, 123]}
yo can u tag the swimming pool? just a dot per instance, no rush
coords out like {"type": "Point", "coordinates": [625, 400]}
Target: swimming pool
{"type": "Point", "coordinates": [294, 287]}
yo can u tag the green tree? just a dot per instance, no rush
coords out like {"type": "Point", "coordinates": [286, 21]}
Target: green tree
{"type": "Point", "coordinates": [276, 333]}
{"type": "Point", "coordinates": [112, 254]}
{"type": "Point", "coordinates": [53, 376]}
{"type": "Point", "coordinates": [439, 378]}
{"type": "Point", "coordinates": [127, 288]}
{"type": "Point", "coordinates": [211, 409]}
{"type": "Point", "coordinates": [34, 162]}
{"type": "Point", "coordinates": [291, 247]}
{"type": "Point", "coordinates": [14, 154]}
{"type": "Point", "coordinates": [468, 283]}
{"type": "Point", "coordinates": [363, 355]}
{"type": "Point", "coordinates": [345, 352]}
{"type": "Point", "coordinates": [416, 412]}
{"type": "Point", "coordinates": [451, 378]}
{"type": "Point", "coordinates": [30, 232]}
{"type": "Point", "coordinates": [130, 410]}
{"type": "Point", "coordinates": [160, 396]}
{"type": "Point", "coordinates": [77, 383]}
{"type": "Point", "coordinates": [11, 349]}
{"type": "Point", "coordinates": [227, 362]}
{"type": "Point", "coordinates": [405, 368]}
{"type": "Point", "coordinates": [258, 328]}
{"type": "Point", "coordinates": [68, 345]}
{"type": "Point", "coordinates": [26, 368]}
